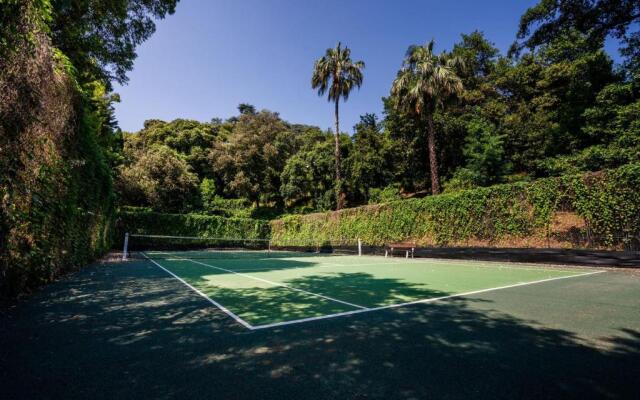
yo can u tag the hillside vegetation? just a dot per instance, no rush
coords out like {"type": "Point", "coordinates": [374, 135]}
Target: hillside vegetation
{"type": "Point", "coordinates": [560, 108]}
{"type": "Point", "coordinates": [597, 210]}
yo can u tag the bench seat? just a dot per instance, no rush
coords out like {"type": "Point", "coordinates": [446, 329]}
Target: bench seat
{"type": "Point", "coordinates": [407, 247]}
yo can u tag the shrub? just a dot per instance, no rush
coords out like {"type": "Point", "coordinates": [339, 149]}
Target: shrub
{"type": "Point", "coordinates": [386, 194]}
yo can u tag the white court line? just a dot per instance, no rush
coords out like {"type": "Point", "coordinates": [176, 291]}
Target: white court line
{"type": "Point", "coordinates": [452, 262]}
{"type": "Point", "coordinates": [426, 262]}
{"type": "Point", "coordinates": [209, 299]}
{"type": "Point", "coordinates": [278, 284]}
{"type": "Point", "coordinates": [469, 263]}
{"type": "Point", "coordinates": [507, 264]}
{"type": "Point", "coordinates": [479, 265]}
{"type": "Point", "coordinates": [431, 300]}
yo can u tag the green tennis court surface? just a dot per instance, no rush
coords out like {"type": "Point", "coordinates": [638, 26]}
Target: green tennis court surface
{"type": "Point", "coordinates": [265, 290]}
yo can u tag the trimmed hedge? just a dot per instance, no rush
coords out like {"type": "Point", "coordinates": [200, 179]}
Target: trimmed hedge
{"type": "Point", "coordinates": [609, 203]}
{"type": "Point", "coordinates": [153, 223]}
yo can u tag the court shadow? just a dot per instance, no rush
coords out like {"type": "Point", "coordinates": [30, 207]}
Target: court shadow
{"type": "Point", "coordinates": [313, 296]}
{"type": "Point", "coordinates": [366, 289]}
{"type": "Point", "coordinates": [130, 331]}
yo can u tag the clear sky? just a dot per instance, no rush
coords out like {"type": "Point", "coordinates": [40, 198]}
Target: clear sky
{"type": "Point", "coordinates": [212, 55]}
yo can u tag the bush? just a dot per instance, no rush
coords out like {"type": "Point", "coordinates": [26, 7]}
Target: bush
{"type": "Point", "coordinates": [389, 193]}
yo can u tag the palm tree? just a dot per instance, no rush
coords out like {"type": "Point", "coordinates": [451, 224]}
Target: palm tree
{"type": "Point", "coordinates": [337, 74]}
{"type": "Point", "coordinates": [423, 85]}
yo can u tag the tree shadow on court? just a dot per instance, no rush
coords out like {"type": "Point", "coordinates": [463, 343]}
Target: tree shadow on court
{"type": "Point", "coordinates": [260, 303]}
{"type": "Point", "coordinates": [366, 289]}
{"type": "Point", "coordinates": [129, 331]}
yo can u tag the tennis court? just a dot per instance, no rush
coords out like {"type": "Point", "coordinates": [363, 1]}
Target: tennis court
{"type": "Point", "coordinates": [276, 324]}
{"type": "Point", "coordinates": [262, 290]}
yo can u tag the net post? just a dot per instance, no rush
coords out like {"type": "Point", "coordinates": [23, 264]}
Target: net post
{"type": "Point", "coordinates": [359, 247]}
{"type": "Point", "coordinates": [125, 249]}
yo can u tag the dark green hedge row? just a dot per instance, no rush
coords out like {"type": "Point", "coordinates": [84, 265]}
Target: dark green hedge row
{"type": "Point", "coordinates": [152, 223]}
{"type": "Point", "coordinates": [608, 201]}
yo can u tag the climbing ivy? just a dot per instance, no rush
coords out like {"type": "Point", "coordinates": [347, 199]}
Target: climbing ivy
{"type": "Point", "coordinates": [608, 202]}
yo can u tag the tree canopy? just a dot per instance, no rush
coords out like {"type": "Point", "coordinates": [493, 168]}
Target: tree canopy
{"type": "Point", "coordinates": [596, 19]}
{"type": "Point", "coordinates": [560, 106]}
{"type": "Point", "coordinates": [100, 36]}
{"type": "Point", "coordinates": [424, 84]}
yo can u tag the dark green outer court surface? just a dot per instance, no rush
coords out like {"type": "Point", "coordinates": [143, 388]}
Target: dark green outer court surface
{"type": "Point", "coordinates": [132, 330]}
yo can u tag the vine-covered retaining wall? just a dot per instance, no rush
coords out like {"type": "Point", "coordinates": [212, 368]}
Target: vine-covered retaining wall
{"type": "Point", "coordinates": [56, 195]}
{"type": "Point", "coordinates": [603, 210]}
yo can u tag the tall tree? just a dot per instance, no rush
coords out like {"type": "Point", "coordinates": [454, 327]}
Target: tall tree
{"type": "Point", "coordinates": [337, 74]}
{"type": "Point", "coordinates": [545, 21]}
{"type": "Point", "coordinates": [369, 164]}
{"type": "Point", "coordinates": [246, 108]}
{"type": "Point", "coordinates": [191, 139]}
{"type": "Point", "coordinates": [253, 157]}
{"type": "Point", "coordinates": [423, 85]}
{"type": "Point", "coordinates": [100, 36]}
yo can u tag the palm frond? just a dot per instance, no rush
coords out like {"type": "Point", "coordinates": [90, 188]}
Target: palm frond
{"type": "Point", "coordinates": [426, 79]}
{"type": "Point", "coordinates": [336, 74]}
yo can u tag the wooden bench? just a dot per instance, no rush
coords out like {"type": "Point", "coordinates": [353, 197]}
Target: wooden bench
{"type": "Point", "coordinates": [407, 247]}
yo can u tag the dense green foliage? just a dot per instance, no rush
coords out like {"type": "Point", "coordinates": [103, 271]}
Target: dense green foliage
{"type": "Point", "coordinates": [100, 36]}
{"type": "Point", "coordinates": [59, 140]}
{"type": "Point", "coordinates": [211, 226]}
{"type": "Point", "coordinates": [251, 160]}
{"type": "Point", "coordinates": [607, 202]}
{"type": "Point", "coordinates": [159, 178]}
{"type": "Point", "coordinates": [236, 162]}
{"type": "Point", "coordinates": [56, 191]}
{"type": "Point", "coordinates": [560, 108]}
{"type": "Point", "coordinates": [595, 18]}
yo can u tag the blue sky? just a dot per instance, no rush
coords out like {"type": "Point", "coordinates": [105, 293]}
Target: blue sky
{"type": "Point", "coordinates": [212, 55]}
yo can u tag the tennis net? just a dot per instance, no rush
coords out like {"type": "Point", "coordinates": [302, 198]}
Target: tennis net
{"type": "Point", "coordinates": [138, 246]}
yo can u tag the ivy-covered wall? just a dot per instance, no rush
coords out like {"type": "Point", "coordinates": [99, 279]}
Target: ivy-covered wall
{"type": "Point", "coordinates": [607, 204]}
{"type": "Point", "coordinates": [56, 195]}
